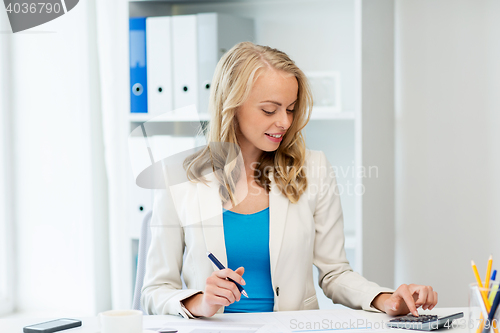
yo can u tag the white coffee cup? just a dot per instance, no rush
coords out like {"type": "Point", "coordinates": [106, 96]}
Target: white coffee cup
{"type": "Point", "coordinates": [121, 321]}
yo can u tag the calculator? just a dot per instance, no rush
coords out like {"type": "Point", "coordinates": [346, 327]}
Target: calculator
{"type": "Point", "coordinates": [423, 322]}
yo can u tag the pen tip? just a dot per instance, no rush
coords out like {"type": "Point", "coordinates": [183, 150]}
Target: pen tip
{"type": "Point", "coordinates": [244, 293]}
{"type": "Point", "coordinates": [208, 253]}
{"type": "Point", "coordinates": [472, 263]}
{"type": "Point", "coordinates": [491, 257]}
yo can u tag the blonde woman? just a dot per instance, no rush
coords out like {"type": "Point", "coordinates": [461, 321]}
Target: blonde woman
{"type": "Point", "coordinates": [269, 232]}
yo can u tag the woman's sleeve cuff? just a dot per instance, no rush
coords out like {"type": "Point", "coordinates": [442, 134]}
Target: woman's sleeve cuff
{"type": "Point", "coordinates": [184, 312]}
{"type": "Point", "coordinates": [367, 306]}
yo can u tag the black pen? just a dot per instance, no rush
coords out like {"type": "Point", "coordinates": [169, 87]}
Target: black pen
{"type": "Point", "coordinates": [221, 267]}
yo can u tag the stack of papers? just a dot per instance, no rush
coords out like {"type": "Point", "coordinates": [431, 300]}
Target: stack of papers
{"type": "Point", "coordinates": [275, 322]}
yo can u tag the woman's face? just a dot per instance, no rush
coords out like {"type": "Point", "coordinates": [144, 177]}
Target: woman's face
{"type": "Point", "coordinates": [267, 111]}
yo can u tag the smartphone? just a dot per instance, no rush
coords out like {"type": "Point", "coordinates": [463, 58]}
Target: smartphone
{"type": "Point", "coordinates": [53, 326]}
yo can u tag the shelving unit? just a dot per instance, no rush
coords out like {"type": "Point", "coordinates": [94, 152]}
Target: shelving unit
{"type": "Point", "coordinates": [140, 118]}
{"type": "Point", "coordinates": [319, 115]}
{"type": "Point", "coordinates": [355, 38]}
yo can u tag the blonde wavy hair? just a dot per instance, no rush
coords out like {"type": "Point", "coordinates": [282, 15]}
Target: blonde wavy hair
{"type": "Point", "coordinates": [233, 80]}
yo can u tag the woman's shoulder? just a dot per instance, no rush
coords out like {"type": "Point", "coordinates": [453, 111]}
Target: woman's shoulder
{"type": "Point", "coordinates": [315, 163]}
{"type": "Point", "coordinates": [314, 154]}
{"type": "Point", "coordinates": [314, 158]}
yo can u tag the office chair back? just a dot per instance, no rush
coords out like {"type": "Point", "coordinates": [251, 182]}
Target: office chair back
{"type": "Point", "coordinates": [144, 242]}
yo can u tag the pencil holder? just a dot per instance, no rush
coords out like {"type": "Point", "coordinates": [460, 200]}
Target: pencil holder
{"type": "Point", "coordinates": [480, 320]}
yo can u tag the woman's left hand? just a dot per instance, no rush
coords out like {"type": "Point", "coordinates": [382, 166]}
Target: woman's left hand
{"type": "Point", "coordinates": [406, 299]}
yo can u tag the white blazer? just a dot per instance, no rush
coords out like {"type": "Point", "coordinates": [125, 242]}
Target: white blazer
{"type": "Point", "coordinates": [308, 232]}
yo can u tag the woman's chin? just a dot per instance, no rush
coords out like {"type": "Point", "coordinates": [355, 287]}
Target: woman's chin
{"type": "Point", "coordinates": [270, 147]}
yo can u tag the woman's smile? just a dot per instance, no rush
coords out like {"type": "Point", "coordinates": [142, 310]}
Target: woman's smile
{"type": "Point", "coordinates": [275, 137]}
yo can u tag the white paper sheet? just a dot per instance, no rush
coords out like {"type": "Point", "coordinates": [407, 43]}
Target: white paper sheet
{"type": "Point", "coordinates": [279, 322]}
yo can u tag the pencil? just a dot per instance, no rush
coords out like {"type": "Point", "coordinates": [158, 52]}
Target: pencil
{"type": "Point", "coordinates": [494, 307]}
{"type": "Point", "coordinates": [494, 287]}
{"type": "Point", "coordinates": [488, 273]}
{"type": "Point", "coordinates": [483, 295]}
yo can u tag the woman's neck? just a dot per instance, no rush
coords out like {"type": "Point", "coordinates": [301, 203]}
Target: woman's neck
{"type": "Point", "coordinates": [251, 156]}
{"type": "Point", "coordinates": [251, 159]}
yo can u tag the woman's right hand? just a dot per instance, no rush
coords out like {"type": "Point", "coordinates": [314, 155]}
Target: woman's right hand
{"type": "Point", "coordinates": [218, 292]}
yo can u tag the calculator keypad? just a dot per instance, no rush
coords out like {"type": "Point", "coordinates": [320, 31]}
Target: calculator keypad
{"type": "Point", "coordinates": [413, 319]}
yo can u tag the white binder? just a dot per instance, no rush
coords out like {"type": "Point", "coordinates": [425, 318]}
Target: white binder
{"type": "Point", "coordinates": [208, 56]}
{"type": "Point", "coordinates": [159, 59]}
{"type": "Point", "coordinates": [185, 60]}
{"type": "Point", "coordinates": [217, 33]}
{"type": "Point", "coordinates": [140, 202]}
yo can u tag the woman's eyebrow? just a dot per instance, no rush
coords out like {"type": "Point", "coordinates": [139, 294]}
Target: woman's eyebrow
{"type": "Point", "coordinates": [278, 103]}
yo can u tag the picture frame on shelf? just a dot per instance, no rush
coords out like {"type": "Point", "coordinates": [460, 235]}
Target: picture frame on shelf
{"type": "Point", "coordinates": [325, 87]}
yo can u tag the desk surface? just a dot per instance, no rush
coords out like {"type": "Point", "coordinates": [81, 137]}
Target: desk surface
{"type": "Point", "coordinates": [91, 324]}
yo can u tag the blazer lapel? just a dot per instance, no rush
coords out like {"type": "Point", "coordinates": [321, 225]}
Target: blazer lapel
{"type": "Point", "coordinates": [278, 208]}
{"type": "Point", "coordinates": [211, 218]}
{"type": "Point", "coordinates": [213, 228]}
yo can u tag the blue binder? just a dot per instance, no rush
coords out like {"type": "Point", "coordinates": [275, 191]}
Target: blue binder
{"type": "Point", "coordinates": [138, 68]}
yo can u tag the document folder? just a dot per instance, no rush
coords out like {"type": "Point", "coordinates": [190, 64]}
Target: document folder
{"type": "Point", "coordinates": [185, 60]}
{"type": "Point", "coordinates": [217, 34]}
{"type": "Point", "coordinates": [159, 64]}
{"type": "Point", "coordinates": [138, 68]}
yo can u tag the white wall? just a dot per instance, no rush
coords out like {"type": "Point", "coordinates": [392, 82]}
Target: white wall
{"type": "Point", "coordinates": [59, 171]}
{"type": "Point", "coordinates": [447, 142]}
{"type": "Point", "coordinates": [377, 139]}
{"type": "Point", "coordinates": [316, 34]}
{"type": "Point", "coordinates": [7, 255]}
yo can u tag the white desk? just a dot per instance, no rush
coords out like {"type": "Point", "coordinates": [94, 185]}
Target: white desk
{"type": "Point", "coordinates": [91, 325]}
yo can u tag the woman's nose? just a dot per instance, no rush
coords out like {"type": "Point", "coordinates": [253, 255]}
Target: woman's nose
{"type": "Point", "coordinates": [284, 121]}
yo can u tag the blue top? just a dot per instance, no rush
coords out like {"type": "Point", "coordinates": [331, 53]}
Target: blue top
{"type": "Point", "coordinates": [247, 244]}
